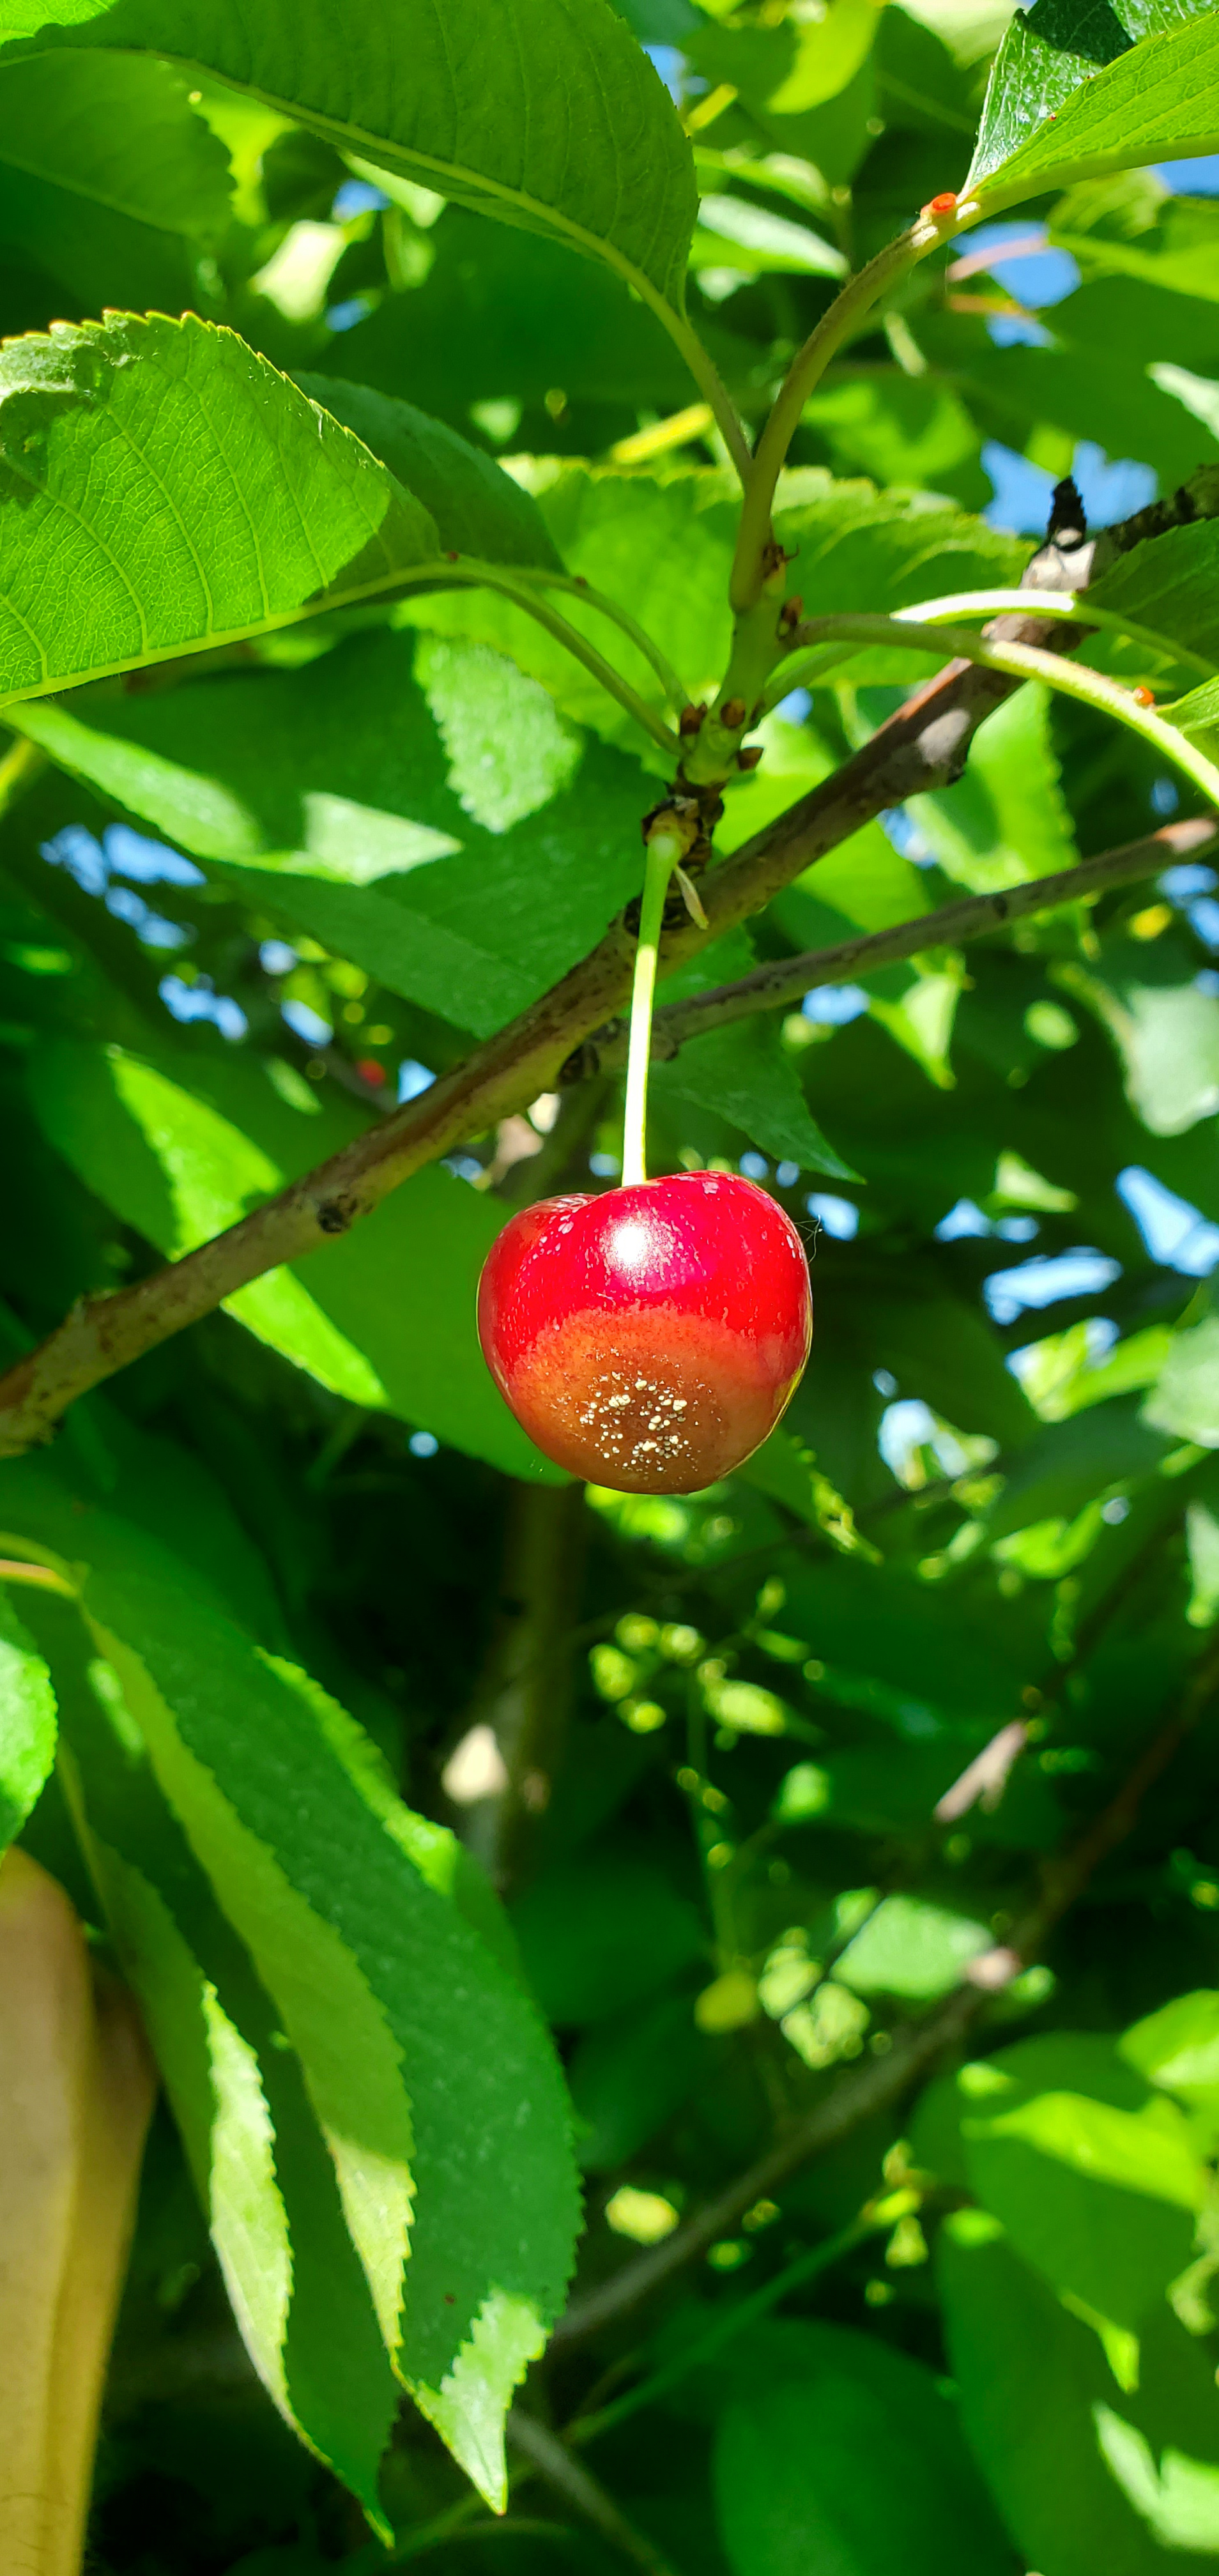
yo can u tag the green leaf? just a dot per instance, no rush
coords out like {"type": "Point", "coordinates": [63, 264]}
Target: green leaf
{"type": "Point", "coordinates": [506, 315]}
{"type": "Point", "coordinates": [744, 1074]}
{"type": "Point", "coordinates": [1006, 820]}
{"type": "Point", "coordinates": [1198, 711]}
{"type": "Point", "coordinates": [1171, 584]}
{"type": "Point", "coordinates": [162, 488]}
{"type": "Point", "coordinates": [1132, 227]}
{"type": "Point", "coordinates": [1185, 1397]}
{"type": "Point", "coordinates": [385, 1317]}
{"type": "Point", "coordinates": [477, 508]}
{"type": "Point", "coordinates": [922, 86]}
{"type": "Point", "coordinates": [788, 1472]}
{"type": "Point", "coordinates": [510, 114]}
{"type": "Point", "coordinates": [732, 233]}
{"type": "Point", "coordinates": [260, 2163]}
{"type": "Point", "coordinates": [1166, 1035]}
{"type": "Point", "coordinates": [835, 2452]}
{"type": "Point", "coordinates": [1178, 2047]}
{"type": "Point", "coordinates": [1064, 1466]}
{"type": "Point", "coordinates": [903, 429]}
{"type": "Point", "coordinates": [328, 798]}
{"type": "Point", "coordinates": [601, 1932]}
{"type": "Point", "coordinates": [1084, 2475]}
{"type": "Point", "coordinates": [1092, 386]}
{"type": "Point", "coordinates": [937, 1346]}
{"type": "Point", "coordinates": [661, 549]}
{"type": "Point", "coordinates": [658, 22]}
{"type": "Point", "coordinates": [157, 1483]}
{"type": "Point", "coordinates": [917, 1004]}
{"type": "Point", "coordinates": [1202, 1542]}
{"type": "Point", "coordinates": [509, 749]}
{"type": "Point", "coordinates": [1072, 95]}
{"type": "Point", "coordinates": [120, 134]}
{"type": "Point", "coordinates": [428, 2071]}
{"type": "Point", "coordinates": [912, 1949]}
{"type": "Point", "coordinates": [1064, 1379]}
{"type": "Point", "coordinates": [628, 2076]}
{"type": "Point", "coordinates": [808, 86]}
{"type": "Point", "coordinates": [862, 885]}
{"type": "Point", "coordinates": [888, 1627]}
{"type": "Point", "coordinates": [741, 1072]}
{"type": "Point", "coordinates": [27, 1723]}
{"type": "Point", "coordinates": [1092, 2175]}
{"type": "Point", "coordinates": [860, 549]}
{"type": "Point", "coordinates": [264, 2178]}
{"type": "Point", "coordinates": [108, 179]}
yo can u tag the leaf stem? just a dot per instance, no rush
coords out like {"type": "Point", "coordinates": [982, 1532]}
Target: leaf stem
{"type": "Point", "coordinates": [1067, 604]}
{"type": "Point", "coordinates": [19, 1570]}
{"type": "Point", "coordinates": [23, 762]}
{"type": "Point", "coordinates": [483, 576]}
{"type": "Point", "coordinates": [1032, 662]}
{"type": "Point", "coordinates": [581, 589]}
{"type": "Point", "coordinates": [665, 849]}
{"type": "Point", "coordinates": [807, 367]}
{"type": "Point", "coordinates": [1070, 606]}
{"type": "Point", "coordinates": [710, 384]}
{"type": "Point", "coordinates": [388, 586]}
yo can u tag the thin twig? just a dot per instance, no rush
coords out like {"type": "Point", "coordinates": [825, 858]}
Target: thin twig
{"type": "Point", "coordinates": [806, 2266]}
{"type": "Point", "coordinates": [871, 2088]}
{"type": "Point", "coordinates": [578, 2487]}
{"type": "Point", "coordinates": [787, 979]}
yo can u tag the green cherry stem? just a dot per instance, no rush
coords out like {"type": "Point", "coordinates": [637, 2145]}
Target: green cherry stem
{"type": "Point", "coordinates": [665, 851]}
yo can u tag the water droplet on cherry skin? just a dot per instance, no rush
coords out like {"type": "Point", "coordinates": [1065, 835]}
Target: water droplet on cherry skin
{"type": "Point", "coordinates": [649, 1338]}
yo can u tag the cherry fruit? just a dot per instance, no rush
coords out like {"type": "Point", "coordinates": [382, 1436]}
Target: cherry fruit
{"type": "Point", "coordinates": [650, 1337]}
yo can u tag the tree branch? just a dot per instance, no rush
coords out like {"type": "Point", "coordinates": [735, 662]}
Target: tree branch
{"type": "Point", "coordinates": [915, 2046]}
{"type": "Point", "coordinates": [922, 747]}
{"type": "Point", "coordinates": [524, 1691]}
{"type": "Point", "coordinates": [787, 979]}
{"type": "Point", "coordinates": [873, 2087]}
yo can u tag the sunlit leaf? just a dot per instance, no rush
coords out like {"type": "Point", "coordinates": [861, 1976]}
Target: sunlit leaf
{"type": "Point", "coordinates": [161, 488]}
{"type": "Point", "coordinates": [27, 1722]}
{"type": "Point", "coordinates": [417, 98]}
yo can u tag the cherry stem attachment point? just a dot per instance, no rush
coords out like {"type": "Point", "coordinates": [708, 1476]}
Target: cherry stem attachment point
{"type": "Point", "coordinates": [665, 852]}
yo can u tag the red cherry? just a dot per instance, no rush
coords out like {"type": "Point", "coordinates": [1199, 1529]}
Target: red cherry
{"type": "Point", "coordinates": [648, 1338]}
